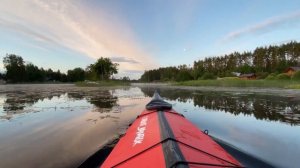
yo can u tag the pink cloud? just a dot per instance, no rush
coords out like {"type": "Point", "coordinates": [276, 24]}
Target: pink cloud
{"type": "Point", "coordinates": [69, 24]}
{"type": "Point", "coordinates": [265, 26]}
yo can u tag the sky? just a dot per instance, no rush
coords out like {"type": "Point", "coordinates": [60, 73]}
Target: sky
{"type": "Point", "coordinates": [141, 34]}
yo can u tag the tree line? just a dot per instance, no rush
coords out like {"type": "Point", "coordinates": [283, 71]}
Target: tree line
{"type": "Point", "coordinates": [17, 71]}
{"type": "Point", "coordinates": [262, 61]}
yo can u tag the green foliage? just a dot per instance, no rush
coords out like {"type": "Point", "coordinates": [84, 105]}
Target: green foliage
{"type": "Point", "coordinates": [283, 76]}
{"type": "Point", "coordinates": [262, 75]}
{"type": "Point", "coordinates": [52, 76]}
{"type": "Point", "coordinates": [90, 75]}
{"type": "Point", "coordinates": [17, 71]}
{"type": "Point", "coordinates": [228, 74]}
{"type": "Point", "coordinates": [2, 76]}
{"type": "Point", "coordinates": [245, 69]}
{"type": "Point", "coordinates": [207, 76]}
{"type": "Point", "coordinates": [77, 74]}
{"type": "Point", "coordinates": [125, 78]}
{"type": "Point", "coordinates": [242, 83]}
{"type": "Point", "coordinates": [107, 83]}
{"type": "Point", "coordinates": [34, 74]}
{"type": "Point", "coordinates": [261, 61]}
{"type": "Point", "coordinates": [104, 68]}
{"type": "Point", "coordinates": [271, 76]}
{"type": "Point", "coordinates": [295, 86]}
{"type": "Point", "coordinates": [229, 78]}
{"type": "Point", "coordinates": [184, 76]}
{"type": "Point", "coordinates": [296, 76]}
{"type": "Point", "coordinates": [161, 74]}
{"type": "Point", "coordinates": [15, 68]}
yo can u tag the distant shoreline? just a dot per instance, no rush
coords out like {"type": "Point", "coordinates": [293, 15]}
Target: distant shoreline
{"type": "Point", "coordinates": [281, 91]}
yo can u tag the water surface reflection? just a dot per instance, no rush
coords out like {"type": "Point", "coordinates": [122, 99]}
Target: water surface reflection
{"type": "Point", "coordinates": [61, 125]}
{"type": "Point", "coordinates": [262, 107]}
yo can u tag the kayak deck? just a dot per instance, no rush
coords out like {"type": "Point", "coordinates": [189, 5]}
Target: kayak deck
{"type": "Point", "coordinates": [167, 139]}
{"type": "Point", "coordinates": [161, 137]}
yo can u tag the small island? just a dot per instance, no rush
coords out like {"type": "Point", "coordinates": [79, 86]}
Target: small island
{"type": "Point", "coordinates": [97, 74]}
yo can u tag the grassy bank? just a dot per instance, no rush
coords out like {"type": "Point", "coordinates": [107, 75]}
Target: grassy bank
{"type": "Point", "coordinates": [289, 84]}
{"type": "Point", "coordinates": [102, 83]}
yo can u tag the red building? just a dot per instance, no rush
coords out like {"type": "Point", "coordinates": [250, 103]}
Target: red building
{"type": "Point", "coordinates": [291, 70]}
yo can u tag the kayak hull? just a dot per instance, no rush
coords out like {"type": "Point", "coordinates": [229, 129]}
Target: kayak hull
{"type": "Point", "coordinates": [161, 137]}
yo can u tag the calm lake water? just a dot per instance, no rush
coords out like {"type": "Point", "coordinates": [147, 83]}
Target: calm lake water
{"type": "Point", "coordinates": [62, 125]}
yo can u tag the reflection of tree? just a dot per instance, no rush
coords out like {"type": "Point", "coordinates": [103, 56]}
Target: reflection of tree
{"type": "Point", "coordinates": [76, 95]}
{"type": "Point", "coordinates": [103, 100]}
{"type": "Point", "coordinates": [263, 107]}
{"type": "Point", "coordinates": [17, 101]}
{"type": "Point", "coordinates": [168, 94]}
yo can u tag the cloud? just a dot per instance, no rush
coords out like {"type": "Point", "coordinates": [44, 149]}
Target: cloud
{"type": "Point", "coordinates": [133, 71]}
{"type": "Point", "coordinates": [266, 26]}
{"type": "Point", "coordinates": [285, 41]}
{"type": "Point", "coordinates": [124, 59]}
{"type": "Point", "coordinates": [23, 29]}
{"type": "Point", "coordinates": [73, 25]}
{"type": "Point", "coordinates": [133, 74]}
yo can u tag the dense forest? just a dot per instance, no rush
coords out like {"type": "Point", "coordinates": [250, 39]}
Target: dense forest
{"type": "Point", "coordinates": [262, 61]}
{"type": "Point", "coordinates": [19, 72]}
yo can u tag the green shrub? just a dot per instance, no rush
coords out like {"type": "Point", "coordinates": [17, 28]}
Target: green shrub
{"type": "Point", "coordinates": [271, 76]}
{"type": "Point", "coordinates": [262, 75]}
{"type": "Point", "coordinates": [229, 74]}
{"type": "Point", "coordinates": [283, 76]}
{"type": "Point", "coordinates": [207, 76]}
{"type": "Point", "coordinates": [295, 86]}
{"type": "Point", "coordinates": [183, 76]}
{"type": "Point", "coordinates": [229, 78]}
{"type": "Point", "coordinates": [296, 76]}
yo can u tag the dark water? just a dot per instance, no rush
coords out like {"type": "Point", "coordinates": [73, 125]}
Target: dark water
{"type": "Point", "coordinates": [61, 125]}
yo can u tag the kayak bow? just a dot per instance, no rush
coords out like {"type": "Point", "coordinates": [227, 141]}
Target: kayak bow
{"type": "Point", "coordinates": [161, 137]}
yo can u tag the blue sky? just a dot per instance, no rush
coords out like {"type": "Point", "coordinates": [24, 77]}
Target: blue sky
{"type": "Point", "coordinates": [141, 35]}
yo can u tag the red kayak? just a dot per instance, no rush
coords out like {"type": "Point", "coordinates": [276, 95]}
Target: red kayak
{"type": "Point", "coordinates": [160, 137]}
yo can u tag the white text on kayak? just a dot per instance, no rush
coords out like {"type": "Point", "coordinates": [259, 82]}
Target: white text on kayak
{"type": "Point", "coordinates": [140, 133]}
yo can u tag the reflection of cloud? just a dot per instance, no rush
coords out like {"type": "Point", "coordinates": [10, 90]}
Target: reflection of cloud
{"type": "Point", "coordinates": [70, 24]}
{"type": "Point", "coordinates": [267, 25]}
{"type": "Point", "coordinates": [124, 59]}
{"type": "Point", "coordinates": [264, 144]}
